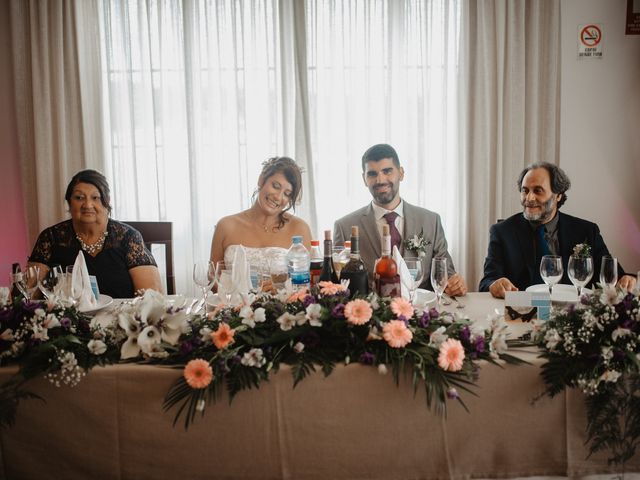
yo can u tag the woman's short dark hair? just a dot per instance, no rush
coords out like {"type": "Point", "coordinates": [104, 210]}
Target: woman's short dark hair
{"type": "Point", "coordinates": [292, 172]}
{"type": "Point", "coordinates": [96, 179]}
{"type": "Point", "coordinates": [559, 180]}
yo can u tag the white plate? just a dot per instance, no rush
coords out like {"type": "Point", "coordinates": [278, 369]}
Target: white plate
{"type": "Point", "coordinates": [103, 301]}
{"type": "Point", "coordinates": [560, 288]}
{"type": "Point", "coordinates": [424, 297]}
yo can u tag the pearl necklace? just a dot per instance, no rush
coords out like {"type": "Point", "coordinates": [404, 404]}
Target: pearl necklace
{"type": "Point", "coordinates": [93, 248]}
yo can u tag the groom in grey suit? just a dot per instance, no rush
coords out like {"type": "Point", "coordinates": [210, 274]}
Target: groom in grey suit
{"type": "Point", "coordinates": [382, 174]}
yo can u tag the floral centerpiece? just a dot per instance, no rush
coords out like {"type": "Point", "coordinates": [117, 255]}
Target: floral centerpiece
{"type": "Point", "coordinates": [594, 346]}
{"type": "Point", "coordinates": [237, 348]}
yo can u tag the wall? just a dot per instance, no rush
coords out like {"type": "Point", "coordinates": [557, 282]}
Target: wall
{"type": "Point", "coordinates": [13, 239]}
{"type": "Point", "coordinates": [600, 126]}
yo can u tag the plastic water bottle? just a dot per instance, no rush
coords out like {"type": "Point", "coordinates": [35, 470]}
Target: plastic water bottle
{"type": "Point", "coordinates": [298, 262]}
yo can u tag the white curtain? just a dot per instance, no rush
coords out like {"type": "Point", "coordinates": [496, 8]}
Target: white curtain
{"type": "Point", "coordinates": [510, 110]}
{"type": "Point", "coordinates": [56, 65]}
{"type": "Point", "coordinates": [198, 93]}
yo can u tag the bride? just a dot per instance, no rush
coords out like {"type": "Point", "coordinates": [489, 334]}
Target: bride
{"type": "Point", "coordinates": [265, 229]}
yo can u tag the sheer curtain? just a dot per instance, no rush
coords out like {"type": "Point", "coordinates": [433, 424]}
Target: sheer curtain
{"type": "Point", "coordinates": [198, 93]}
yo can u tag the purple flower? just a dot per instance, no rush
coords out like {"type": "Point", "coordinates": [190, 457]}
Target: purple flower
{"type": "Point", "coordinates": [433, 313]}
{"type": "Point", "coordinates": [308, 300]}
{"type": "Point", "coordinates": [478, 344]}
{"type": "Point", "coordinates": [465, 334]}
{"type": "Point", "coordinates": [65, 322]}
{"type": "Point", "coordinates": [338, 311]}
{"type": "Point", "coordinates": [452, 394]}
{"type": "Point", "coordinates": [31, 307]}
{"type": "Point", "coordinates": [424, 320]}
{"type": "Point", "coordinates": [367, 358]}
{"type": "Point", "coordinates": [186, 348]}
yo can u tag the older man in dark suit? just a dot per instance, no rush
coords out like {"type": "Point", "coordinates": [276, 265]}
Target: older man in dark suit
{"type": "Point", "coordinates": [517, 244]}
{"type": "Point", "coordinates": [382, 174]}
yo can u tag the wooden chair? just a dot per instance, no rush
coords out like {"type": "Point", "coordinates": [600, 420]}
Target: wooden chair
{"type": "Point", "coordinates": [159, 233]}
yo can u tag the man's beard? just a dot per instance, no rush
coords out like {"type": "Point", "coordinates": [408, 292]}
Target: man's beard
{"type": "Point", "coordinates": [544, 215]}
{"type": "Point", "coordinates": [384, 198]}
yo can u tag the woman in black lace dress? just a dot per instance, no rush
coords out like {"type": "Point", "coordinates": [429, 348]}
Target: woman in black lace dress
{"type": "Point", "coordinates": [114, 252]}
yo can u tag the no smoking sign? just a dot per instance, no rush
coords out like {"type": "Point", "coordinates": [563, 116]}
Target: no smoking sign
{"type": "Point", "coordinates": [590, 40]}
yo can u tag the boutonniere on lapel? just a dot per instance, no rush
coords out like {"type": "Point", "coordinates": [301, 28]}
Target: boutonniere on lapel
{"type": "Point", "coordinates": [582, 250]}
{"type": "Point", "coordinates": [417, 244]}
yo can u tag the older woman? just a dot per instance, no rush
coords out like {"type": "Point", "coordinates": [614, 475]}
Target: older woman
{"type": "Point", "coordinates": [114, 252]}
{"type": "Point", "coordinates": [265, 229]}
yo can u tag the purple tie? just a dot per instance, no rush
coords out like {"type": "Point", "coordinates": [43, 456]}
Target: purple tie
{"type": "Point", "coordinates": [393, 231]}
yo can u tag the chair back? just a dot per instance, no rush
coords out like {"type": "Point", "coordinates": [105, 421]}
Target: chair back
{"type": "Point", "coordinates": [161, 233]}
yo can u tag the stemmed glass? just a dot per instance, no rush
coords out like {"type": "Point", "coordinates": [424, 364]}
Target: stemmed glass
{"type": "Point", "coordinates": [226, 284]}
{"type": "Point", "coordinates": [416, 270]}
{"type": "Point", "coordinates": [609, 271]}
{"type": "Point", "coordinates": [30, 278]}
{"type": "Point", "coordinates": [439, 277]}
{"type": "Point", "coordinates": [52, 283]}
{"type": "Point", "coordinates": [204, 276]}
{"type": "Point", "coordinates": [551, 270]}
{"type": "Point", "coordinates": [580, 271]}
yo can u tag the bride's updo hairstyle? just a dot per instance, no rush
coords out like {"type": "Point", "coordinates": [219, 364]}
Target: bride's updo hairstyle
{"type": "Point", "coordinates": [292, 172]}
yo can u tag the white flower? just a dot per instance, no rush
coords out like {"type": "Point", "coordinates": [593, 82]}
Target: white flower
{"type": "Point", "coordinates": [552, 337]}
{"type": "Point", "coordinates": [607, 354]}
{"type": "Point", "coordinates": [130, 348]}
{"type": "Point", "coordinates": [298, 347]}
{"type": "Point", "coordinates": [4, 296]}
{"type": "Point", "coordinates": [40, 333]}
{"type": "Point", "coordinates": [149, 339]}
{"type": "Point", "coordinates": [68, 360]}
{"type": "Point", "coordinates": [286, 321]}
{"type": "Point", "coordinates": [103, 321]}
{"type": "Point", "coordinates": [498, 344]}
{"type": "Point", "coordinates": [253, 358]}
{"type": "Point", "coordinates": [97, 347]}
{"type": "Point", "coordinates": [438, 337]}
{"type": "Point", "coordinates": [250, 317]}
{"type": "Point", "coordinates": [611, 296]}
{"type": "Point", "coordinates": [382, 369]}
{"type": "Point", "coordinates": [7, 335]}
{"type": "Point", "coordinates": [301, 318]}
{"type": "Point", "coordinates": [620, 332]}
{"type": "Point", "coordinates": [200, 405]}
{"type": "Point", "coordinates": [610, 376]}
{"type": "Point", "coordinates": [205, 334]}
{"type": "Point", "coordinates": [51, 321]}
{"type": "Point", "coordinates": [373, 301]}
{"type": "Point", "coordinates": [40, 313]}
{"type": "Point", "coordinates": [313, 314]}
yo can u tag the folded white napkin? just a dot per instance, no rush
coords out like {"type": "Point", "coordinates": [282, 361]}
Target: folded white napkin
{"type": "Point", "coordinates": [405, 276]}
{"type": "Point", "coordinates": [81, 285]}
{"type": "Point", "coordinates": [241, 274]}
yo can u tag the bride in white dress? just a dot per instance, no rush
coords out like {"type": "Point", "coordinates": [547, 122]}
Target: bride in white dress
{"type": "Point", "coordinates": [265, 229]}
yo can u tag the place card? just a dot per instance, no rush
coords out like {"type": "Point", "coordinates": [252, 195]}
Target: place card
{"type": "Point", "coordinates": [524, 303]}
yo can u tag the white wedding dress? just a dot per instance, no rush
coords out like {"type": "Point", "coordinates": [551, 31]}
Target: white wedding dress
{"type": "Point", "coordinates": [261, 258]}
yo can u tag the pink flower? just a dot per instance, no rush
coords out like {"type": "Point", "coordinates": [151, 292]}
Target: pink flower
{"type": "Point", "coordinates": [396, 334]}
{"type": "Point", "coordinates": [451, 355]}
{"type": "Point", "coordinates": [297, 295]}
{"type": "Point", "coordinates": [223, 336]}
{"type": "Point", "coordinates": [198, 373]}
{"type": "Point", "coordinates": [358, 312]}
{"type": "Point", "coordinates": [401, 306]}
{"type": "Point", "coordinates": [330, 288]}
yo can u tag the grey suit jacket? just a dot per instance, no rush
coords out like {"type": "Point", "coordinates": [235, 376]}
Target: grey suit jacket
{"type": "Point", "coordinates": [416, 220]}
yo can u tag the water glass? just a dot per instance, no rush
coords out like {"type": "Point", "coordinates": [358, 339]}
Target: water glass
{"type": "Point", "coordinates": [580, 271]}
{"type": "Point", "coordinates": [609, 271]}
{"type": "Point", "coordinates": [279, 272]}
{"type": "Point", "coordinates": [30, 277]}
{"type": "Point", "coordinates": [204, 276]}
{"type": "Point", "coordinates": [51, 284]}
{"type": "Point", "coordinates": [226, 284]}
{"type": "Point", "coordinates": [416, 270]}
{"type": "Point", "coordinates": [551, 270]}
{"type": "Point", "coordinates": [439, 277]}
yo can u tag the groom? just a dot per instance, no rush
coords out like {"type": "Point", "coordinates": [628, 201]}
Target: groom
{"type": "Point", "coordinates": [382, 174]}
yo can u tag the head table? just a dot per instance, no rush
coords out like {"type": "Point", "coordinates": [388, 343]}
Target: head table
{"type": "Point", "coordinates": [354, 424]}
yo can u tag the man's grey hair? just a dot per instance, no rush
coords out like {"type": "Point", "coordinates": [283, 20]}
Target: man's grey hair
{"type": "Point", "coordinates": [560, 182]}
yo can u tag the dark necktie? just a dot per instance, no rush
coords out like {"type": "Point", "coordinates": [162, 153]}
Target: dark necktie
{"type": "Point", "coordinates": [393, 231]}
{"type": "Point", "coordinates": [542, 248]}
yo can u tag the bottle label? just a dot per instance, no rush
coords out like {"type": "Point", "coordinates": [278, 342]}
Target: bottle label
{"type": "Point", "coordinates": [300, 277]}
{"type": "Point", "coordinates": [388, 287]}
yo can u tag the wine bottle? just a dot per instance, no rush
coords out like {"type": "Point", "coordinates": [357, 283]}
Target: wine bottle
{"type": "Point", "coordinates": [354, 270]}
{"type": "Point", "coordinates": [386, 270]}
{"type": "Point", "coordinates": [316, 262]}
{"type": "Point", "coordinates": [328, 273]}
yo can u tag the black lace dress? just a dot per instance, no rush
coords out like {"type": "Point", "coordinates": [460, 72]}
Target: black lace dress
{"type": "Point", "coordinates": [123, 249]}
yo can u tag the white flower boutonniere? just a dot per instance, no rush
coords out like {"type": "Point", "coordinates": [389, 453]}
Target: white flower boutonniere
{"type": "Point", "coordinates": [417, 244]}
{"type": "Point", "coordinates": [582, 250]}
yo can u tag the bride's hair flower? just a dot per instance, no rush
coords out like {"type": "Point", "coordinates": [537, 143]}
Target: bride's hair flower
{"type": "Point", "coordinates": [198, 373]}
{"type": "Point", "coordinates": [396, 334]}
{"type": "Point", "coordinates": [451, 355]}
{"type": "Point", "coordinates": [223, 336]}
{"type": "Point", "coordinates": [358, 312]}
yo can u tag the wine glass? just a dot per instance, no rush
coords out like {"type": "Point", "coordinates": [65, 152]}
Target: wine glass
{"type": "Point", "coordinates": [71, 293]}
{"type": "Point", "coordinates": [51, 284]}
{"type": "Point", "coordinates": [204, 276]}
{"type": "Point", "coordinates": [226, 285]}
{"type": "Point", "coordinates": [30, 278]}
{"type": "Point", "coordinates": [609, 271]}
{"type": "Point", "coordinates": [580, 271]}
{"type": "Point", "coordinates": [439, 277]}
{"type": "Point", "coordinates": [551, 270]}
{"type": "Point", "coordinates": [416, 270]}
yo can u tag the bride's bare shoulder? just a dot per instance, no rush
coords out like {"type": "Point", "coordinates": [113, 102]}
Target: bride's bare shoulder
{"type": "Point", "coordinates": [232, 221]}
